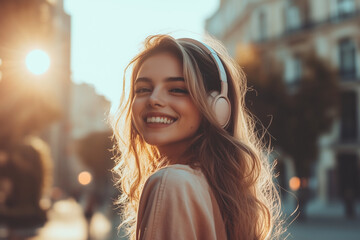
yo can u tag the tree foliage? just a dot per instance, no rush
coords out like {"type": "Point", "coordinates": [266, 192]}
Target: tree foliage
{"type": "Point", "coordinates": [94, 151]}
{"type": "Point", "coordinates": [295, 115]}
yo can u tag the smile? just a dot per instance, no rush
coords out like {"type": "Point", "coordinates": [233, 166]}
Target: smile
{"type": "Point", "coordinates": [164, 120]}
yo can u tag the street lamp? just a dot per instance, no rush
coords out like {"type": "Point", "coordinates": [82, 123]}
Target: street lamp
{"type": "Point", "coordinates": [37, 61]}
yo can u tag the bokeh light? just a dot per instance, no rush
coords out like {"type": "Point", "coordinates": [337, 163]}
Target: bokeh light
{"type": "Point", "coordinates": [294, 183]}
{"type": "Point", "coordinates": [37, 61]}
{"type": "Point", "coordinates": [84, 178]}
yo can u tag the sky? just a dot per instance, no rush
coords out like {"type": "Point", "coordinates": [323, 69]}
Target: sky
{"type": "Point", "coordinates": [106, 34]}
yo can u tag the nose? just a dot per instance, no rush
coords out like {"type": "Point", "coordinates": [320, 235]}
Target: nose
{"type": "Point", "coordinates": [156, 99]}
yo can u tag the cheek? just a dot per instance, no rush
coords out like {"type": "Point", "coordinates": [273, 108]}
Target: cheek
{"type": "Point", "coordinates": [136, 108]}
{"type": "Point", "coordinates": [196, 122]}
{"type": "Point", "coordinates": [192, 114]}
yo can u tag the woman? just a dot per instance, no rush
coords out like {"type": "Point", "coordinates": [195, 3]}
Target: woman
{"type": "Point", "coordinates": [191, 165]}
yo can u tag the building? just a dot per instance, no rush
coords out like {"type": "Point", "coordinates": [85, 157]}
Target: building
{"type": "Point", "coordinates": [283, 30]}
{"type": "Point", "coordinates": [89, 111]}
{"type": "Point", "coordinates": [40, 24]}
{"type": "Point", "coordinates": [88, 114]}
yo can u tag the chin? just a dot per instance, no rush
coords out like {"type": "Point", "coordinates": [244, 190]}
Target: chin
{"type": "Point", "coordinates": [155, 142]}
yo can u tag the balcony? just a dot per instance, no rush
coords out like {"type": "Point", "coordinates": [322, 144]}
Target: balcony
{"type": "Point", "coordinates": [339, 18]}
{"type": "Point", "coordinates": [312, 25]}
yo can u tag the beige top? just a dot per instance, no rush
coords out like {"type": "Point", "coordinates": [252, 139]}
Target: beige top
{"type": "Point", "coordinates": [177, 203]}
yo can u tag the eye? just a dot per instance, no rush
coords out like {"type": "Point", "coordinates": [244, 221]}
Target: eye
{"type": "Point", "coordinates": [179, 90]}
{"type": "Point", "coordinates": [142, 90]}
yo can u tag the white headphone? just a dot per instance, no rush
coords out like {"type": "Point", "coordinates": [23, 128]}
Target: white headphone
{"type": "Point", "coordinates": [219, 102]}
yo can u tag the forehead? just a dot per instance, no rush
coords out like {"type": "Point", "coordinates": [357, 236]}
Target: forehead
{"type": "Point", "coordinates": [163, 64]}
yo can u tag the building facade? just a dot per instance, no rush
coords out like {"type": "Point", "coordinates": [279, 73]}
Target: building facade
{"type": "Point", "coordinates": [286, 29]}
{"type": "Point", "coordinates": [89, 111]}
{"type": "Point", "coordinates": [88, 114]}
{"type": "Point", "coordinates": [27, 25]}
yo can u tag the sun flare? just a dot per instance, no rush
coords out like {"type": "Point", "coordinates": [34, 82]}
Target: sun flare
{"type": "Point", "coordinates": [37, 61]}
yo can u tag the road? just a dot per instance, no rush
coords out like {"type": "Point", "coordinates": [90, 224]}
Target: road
{"type": "Point", "coordinates": [67, 222]}
{"type": "Point", "coordinates": [321, 228]}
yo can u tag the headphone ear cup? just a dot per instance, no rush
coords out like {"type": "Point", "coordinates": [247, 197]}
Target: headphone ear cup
{"type": "Point", "coordinates": [221, 107]}
{"type": "Point", "coordinates": [212, 96]}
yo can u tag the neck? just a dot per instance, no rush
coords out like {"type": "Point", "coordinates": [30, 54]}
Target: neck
{"type": "Point", "coordinates": [175, 154]}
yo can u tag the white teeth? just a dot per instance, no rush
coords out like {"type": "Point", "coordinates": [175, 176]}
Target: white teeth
{"type": "Point", "coordinates": [159, 120]}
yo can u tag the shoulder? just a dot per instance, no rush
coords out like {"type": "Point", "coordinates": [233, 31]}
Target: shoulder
{"type": "Point", "coordinates": [176, 182]}
{"type": "Point", "coordinates": [177, 203]}
{"type": "Point", "coordinates": [177, 177]}
{"type": "Point", "coordinates": [177, 172]}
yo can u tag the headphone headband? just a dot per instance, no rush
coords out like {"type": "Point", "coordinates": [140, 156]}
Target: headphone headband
{"type": "Point", "coordinates": [206, 48]}
{"type": "Point", "coordinates": [218, 63]}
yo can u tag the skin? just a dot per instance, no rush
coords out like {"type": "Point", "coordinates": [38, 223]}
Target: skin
{"type": "Point", "coordinates": [162, 109]}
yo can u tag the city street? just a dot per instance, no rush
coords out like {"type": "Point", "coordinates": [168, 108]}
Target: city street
{"type": "Point", "coordinates": [287, 73]}
{"type": "Point", "coordinates": [66, 222]}
{"type": "Point", "coordinates": [325, 229]}
{"type": "Point", "coordinates": [324, 222]}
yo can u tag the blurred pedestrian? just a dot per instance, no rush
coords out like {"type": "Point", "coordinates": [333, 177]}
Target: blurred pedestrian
{"type": "Point", "coordinates": [27, 173]}
{"type": "Point", "coordinates": [191, 164]}
{"type": "Point", "coordinates": [348, 173]}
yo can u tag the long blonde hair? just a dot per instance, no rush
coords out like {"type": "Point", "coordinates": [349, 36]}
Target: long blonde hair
{"type": "Point", "coordinates": [232, 158]}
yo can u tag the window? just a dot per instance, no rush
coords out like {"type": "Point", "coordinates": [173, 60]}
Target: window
{"type": "Point", "coordinates": [349, 128]}
{"type": "Point", "coordinates": [292, 17]}
{"type": "Point", "coordinates": [262, 26]}
{"type": "Point", "coordinates": [347, 65]}
{"type": "Point", "coordinates": [293, 70]}
{"type": "Point", "coordinates": [345, 7]}
{"type": "Point", "coordinates": [297, 68]}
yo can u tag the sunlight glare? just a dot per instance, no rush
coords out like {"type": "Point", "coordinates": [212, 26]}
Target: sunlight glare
{"type": "Point", "coordinates": [37, 62]}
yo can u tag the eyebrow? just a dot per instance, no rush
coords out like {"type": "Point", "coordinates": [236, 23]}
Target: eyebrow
{"type": "Point", "coordinates": [169, 79]}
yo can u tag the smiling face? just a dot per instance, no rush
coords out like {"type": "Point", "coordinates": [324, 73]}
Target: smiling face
{"type": "Point", "coordinates": [162, 109]}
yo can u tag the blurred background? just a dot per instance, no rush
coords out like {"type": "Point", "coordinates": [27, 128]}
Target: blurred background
{"type": "Point", "coordinates": [61, 67]}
